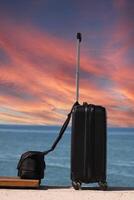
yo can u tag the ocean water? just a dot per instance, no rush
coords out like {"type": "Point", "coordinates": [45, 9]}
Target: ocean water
{"type": "Point", "coordinates": [16, 139]}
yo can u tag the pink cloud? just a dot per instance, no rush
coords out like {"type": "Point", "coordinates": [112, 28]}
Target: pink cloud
{"type": "Point", "coordinates": [41, 78]}
{"type": "Point", "coordinates": [120, 3]}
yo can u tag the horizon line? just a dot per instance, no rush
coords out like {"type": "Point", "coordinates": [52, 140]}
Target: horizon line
{"type": "Point", "coordinates": [56, 125]}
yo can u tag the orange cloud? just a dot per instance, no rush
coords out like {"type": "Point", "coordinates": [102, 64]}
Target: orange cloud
{"type": "Point", "coordinates": [37, 84]}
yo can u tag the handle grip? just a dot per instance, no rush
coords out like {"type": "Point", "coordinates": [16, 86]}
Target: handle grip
{"type": "Point", "coordinates": [79, 37]}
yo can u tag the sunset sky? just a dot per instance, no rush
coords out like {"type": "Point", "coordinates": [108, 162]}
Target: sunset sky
{"type": "Point", "coordinates": [38, 59]}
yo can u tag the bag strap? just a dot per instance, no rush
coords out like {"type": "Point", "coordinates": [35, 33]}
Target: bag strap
{"type": "Point", "coordinates": [62, 130]}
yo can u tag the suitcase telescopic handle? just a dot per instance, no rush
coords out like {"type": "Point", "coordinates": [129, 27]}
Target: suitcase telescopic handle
{"type": "Point", "coordinates": [79, 38]}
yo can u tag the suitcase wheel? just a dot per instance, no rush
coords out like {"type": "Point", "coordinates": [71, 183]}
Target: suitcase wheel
{"type": "Point", "coordinates": [76, 185]}
{"type": "Point", "coordinates": [103, 185]}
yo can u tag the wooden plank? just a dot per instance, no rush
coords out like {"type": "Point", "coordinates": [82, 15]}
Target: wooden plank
{"type": "Point", "coordinates": [18, 182]}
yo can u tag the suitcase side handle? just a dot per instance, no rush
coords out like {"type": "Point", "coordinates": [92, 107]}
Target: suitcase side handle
{"type": "Point", "coordinates": [79, 38]}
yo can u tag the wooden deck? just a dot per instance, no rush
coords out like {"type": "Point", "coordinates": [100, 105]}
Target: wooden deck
{"type": "Point", "coordinates": [16, 182]}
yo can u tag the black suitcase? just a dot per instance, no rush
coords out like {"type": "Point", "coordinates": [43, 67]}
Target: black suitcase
{"type": "Point", "coordinates": [88, 142]}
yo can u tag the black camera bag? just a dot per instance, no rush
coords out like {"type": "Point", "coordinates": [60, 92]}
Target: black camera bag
{"type": "Point", "coordinates": [31, 165]}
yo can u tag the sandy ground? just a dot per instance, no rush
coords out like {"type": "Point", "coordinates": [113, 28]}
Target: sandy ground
{"type": "Point", "coordinates": [51, 193]}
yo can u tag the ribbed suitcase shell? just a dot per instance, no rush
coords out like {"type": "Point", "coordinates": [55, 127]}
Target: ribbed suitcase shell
{"type": "Point", "coordinates": [88, 144]}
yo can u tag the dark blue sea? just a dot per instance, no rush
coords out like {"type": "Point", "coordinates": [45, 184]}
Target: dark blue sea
{"type": "Point", "coordinates": [17, 139]}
